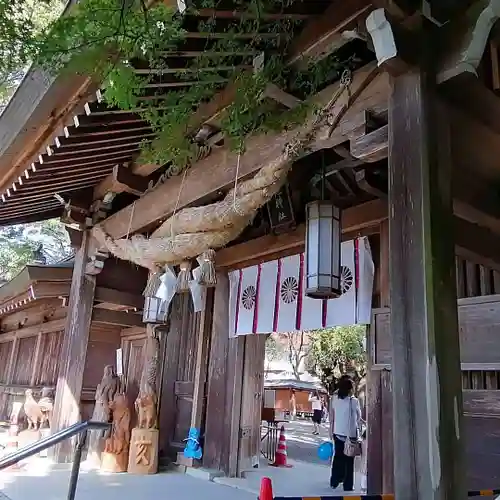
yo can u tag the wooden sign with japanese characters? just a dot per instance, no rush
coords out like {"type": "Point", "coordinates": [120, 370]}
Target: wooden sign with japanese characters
{"type": "Point", "coordinates": [280, 211]}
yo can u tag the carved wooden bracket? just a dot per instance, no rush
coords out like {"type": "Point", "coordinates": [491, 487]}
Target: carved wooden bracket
{"type": "Point", "coordinates": [467, 43]}
{"type": "Point", "coordinates": [372, 146]}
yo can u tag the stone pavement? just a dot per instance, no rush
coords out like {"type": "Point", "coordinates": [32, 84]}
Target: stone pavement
{"type": "Point", "coordinates": [302, 444]}
{"type": "Point", "coordinates": [303, 479]}
{"type": "Point", "coordinates": [30, 485]}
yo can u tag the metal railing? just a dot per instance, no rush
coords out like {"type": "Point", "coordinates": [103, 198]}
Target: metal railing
{"type": "Point", "coordinates": [81, 430]}
{"type": "Point", "coordinates": [269, 435]}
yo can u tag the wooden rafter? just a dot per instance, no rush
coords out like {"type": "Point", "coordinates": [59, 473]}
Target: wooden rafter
{"type": "Point", "coordinates": [321, 36]}
{"type": "Point", "coordinates": [324, 34]}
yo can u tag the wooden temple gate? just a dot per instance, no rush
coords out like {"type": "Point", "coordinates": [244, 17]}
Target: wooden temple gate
{"type": "Point", "coordinates": [412, 162]}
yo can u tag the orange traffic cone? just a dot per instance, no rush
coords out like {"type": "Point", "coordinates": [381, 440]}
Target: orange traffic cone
{"type": "Point", "coordinates": [266, 489]}
{"type": "Point", "coordinates": [280, 459]}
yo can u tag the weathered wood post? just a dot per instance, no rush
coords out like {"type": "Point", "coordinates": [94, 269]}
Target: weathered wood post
{"type": "Point", "coordinates": [427, 396]}
{"type": "Point", "coordinates": [74, 349]}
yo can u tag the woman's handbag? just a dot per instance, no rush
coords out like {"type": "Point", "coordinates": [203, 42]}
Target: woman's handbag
{"type": "Point", "coordinates": [352, 446]}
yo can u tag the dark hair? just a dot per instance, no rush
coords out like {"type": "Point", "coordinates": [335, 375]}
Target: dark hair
{"type": "Point", "coordinates": [345, 387]}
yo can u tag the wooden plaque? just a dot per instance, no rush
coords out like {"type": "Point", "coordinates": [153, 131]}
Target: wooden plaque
{"type": "Point", "coordinates": [143, 456]}
{"type": "Point", "coordinates": [280, 210]}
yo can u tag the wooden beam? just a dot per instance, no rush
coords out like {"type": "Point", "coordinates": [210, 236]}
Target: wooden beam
{"type": "Point", "coordinates": [46, 290]}
{"type": "Point", "coordinates": [325, 33]}
{"type": "Point", "coordinates": [118, 297]}
{"type": "Point", "coordinates": [464, 40]}
{"type": "Point", "coordinates": [477, 244]}
{"type": "Point", "coordinates": [368, 183]}
{"type": "Point", "coordinates": [30, 331]}
{"type": "Point", "coordinates": [354, 220]}
{"type": "Point", "coordinates": [475, 146]}
{"type": "Point", "coordinates": [279, 95]}
{"type": "Point", "coordinates": [117, 318]}
{"type": "Point", "coordinates": [371, 147]}
{"type": "Point", "coordinates": [469, 94]}
{"type": "Point", "coordinates": [134, 331]}
{"type": "Point", "coordinates": [50, 273]}
{"type": "Point", "coordinates": [121, 180]}
{"type": "Point", "coordinates": [74, 351]}
{"type": "Point", "coordinates": [427, 392]}
{"type": "Point", "coordinates": [217, 173]}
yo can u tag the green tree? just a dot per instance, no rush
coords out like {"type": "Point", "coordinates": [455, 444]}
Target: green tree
{"type": "Point", "coordinates": [337, 351]}
{"type": "Point", "coordinates": [21, 21]}
{"type": "Point", "coordinates": [20, 245]}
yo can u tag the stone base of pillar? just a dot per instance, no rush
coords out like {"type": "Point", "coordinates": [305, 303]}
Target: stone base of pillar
{"type": "Point", "coordinates": [187, 462]}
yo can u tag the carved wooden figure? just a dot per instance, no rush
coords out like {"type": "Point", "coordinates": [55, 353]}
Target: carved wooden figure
{"type": "Point", "coordinates": [46, 404]}
{"type": "Point", "coordinates": [104, 395]}
{"type": "Point", "coordinates": [144, 442]}
{"type": "Point", "coordinates": [33, 413]}
{"type": "Point", "coordinates": [116, 449]}
{"type": "Point", "coordinates": [146, 411]}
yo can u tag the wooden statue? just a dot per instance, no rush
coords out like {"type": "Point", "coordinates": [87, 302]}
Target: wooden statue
{"type": "Point", "coordinates": [143, 457]}
{"type": "Point", "coordinates": [33, 413]}
{"type": "Point", "coordinates": [104, 395]}
{"type": "Point", "coordinates": [115, 455]}
{"type": "Point", "coordinates": [46, 403]}
{"type": "Point", "coordinates": [146, 411]}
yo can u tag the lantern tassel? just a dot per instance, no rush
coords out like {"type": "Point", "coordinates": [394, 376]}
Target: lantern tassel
{"type": "Point", "coordinates": [153, 284]}
{"type": "Point", "coordinates": [183, 277]}
{"type": "Point", "coordinates": [207, 277]}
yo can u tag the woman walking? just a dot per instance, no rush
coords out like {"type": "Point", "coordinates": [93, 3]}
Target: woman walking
{"type": "Point", "coordinates": [317, 409]}
{"type": "Point", "coordinates": [345, 422]}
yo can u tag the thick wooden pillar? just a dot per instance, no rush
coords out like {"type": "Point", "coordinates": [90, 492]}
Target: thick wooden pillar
{"type": "Point", "coordinates": [74, 350]}
{"type": "Point", "coordinates": [223, 388]}
{"type": "Point", "coordinates": [427, 398]}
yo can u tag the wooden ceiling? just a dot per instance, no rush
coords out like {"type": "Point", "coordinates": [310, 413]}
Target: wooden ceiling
{"type": "Point", "coordinates": [94, 141]}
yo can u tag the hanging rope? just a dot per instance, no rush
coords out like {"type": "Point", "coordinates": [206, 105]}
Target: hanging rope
{"type": "Point", "coordinates": [203, 228]}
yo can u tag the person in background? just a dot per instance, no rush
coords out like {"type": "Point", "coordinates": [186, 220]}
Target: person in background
{"type": "Point", "coordinates": [317, 409]}
{"type": "Point", "coordinates": [293, 405]}
{"type": "Point", "coordinates": [345, 422]}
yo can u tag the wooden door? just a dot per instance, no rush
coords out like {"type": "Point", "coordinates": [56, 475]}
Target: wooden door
{"type": "Point", "coordinates": [179, 355]}
{"type": "Point", "coordinates": [251, 402]}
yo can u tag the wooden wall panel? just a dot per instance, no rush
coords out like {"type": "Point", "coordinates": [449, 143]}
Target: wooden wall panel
{"type": "Point", "coordinates": [482, 451]}
{"type": "Point", "coordinates": [479, 323]}
{"type": "Point", "coordinates": [49, 359]}
{"type": "Point", "coordinates": [24, 358]}
{"type": "Point", "coordinates": [104, 340]}
{"type": "Point", "coordinates": [480, 330]}
{"type": "Point", "coordinates": [5, 351]}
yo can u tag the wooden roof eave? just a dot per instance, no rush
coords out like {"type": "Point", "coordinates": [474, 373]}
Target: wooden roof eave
{"type": "Point", "coordinates": [31, 281]}
{"type": "Point", "coordinates": [43, 101]}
